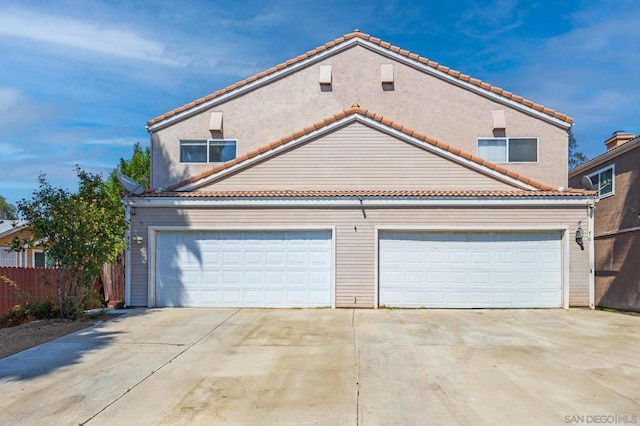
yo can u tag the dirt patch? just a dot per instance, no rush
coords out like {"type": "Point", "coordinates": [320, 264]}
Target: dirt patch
{"type": "Point", "coordinates": [21, 337]}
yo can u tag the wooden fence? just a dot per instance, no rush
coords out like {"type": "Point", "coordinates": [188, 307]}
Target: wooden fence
{"type": "Point", "coordinates": [39, 283]}
{"type": "Point", "coordinates": [112, 279]}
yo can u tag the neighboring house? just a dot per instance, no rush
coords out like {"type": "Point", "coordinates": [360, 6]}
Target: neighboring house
{"type": "Point", "coordinates": [616, 176]}
{"type": "Point", "coordinates": [360, 174]}
{"type": "Point", "coordinates": [31, 256]}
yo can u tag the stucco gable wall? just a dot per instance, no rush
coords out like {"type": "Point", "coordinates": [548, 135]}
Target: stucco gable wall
{"type": "Point", "coordinates": [422, 102]}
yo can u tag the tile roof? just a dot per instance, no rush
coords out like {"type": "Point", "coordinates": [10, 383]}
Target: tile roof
{"type": "Point", "coordinates": [605, 155]}
{"type": "Point", "coordinates": [377, 117]}
{"type": "Point", "coordinates": [365, 193]}
{"type": "Point", "coordinates": [432, 64]}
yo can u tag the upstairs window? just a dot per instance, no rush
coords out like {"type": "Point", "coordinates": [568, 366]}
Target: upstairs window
{"type": "Point", "coordinates": [509, 150]}
{"type": "Point", "coordinates": [603, 181]}
{"type": "Point", "coordinates": [207, 150]}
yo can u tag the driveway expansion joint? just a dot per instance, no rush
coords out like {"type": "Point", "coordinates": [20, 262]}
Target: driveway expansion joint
{"type": "Point", "coordinates": [161, 367]}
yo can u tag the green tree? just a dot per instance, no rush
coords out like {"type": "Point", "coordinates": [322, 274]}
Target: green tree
{"type": "Point", "coordinates": [7, 210]}
{"type": "Point", "coordinates": [575, 157]}
{"type": "Point", "coordinates": [78, 231]}
{"type": "Point", "coordinates": [138, 167]}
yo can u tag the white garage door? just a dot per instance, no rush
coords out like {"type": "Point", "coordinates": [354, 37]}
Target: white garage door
{"type": "Point", "coordinates": [244, 269]}
{"type": "Point", "coordinates": [470, 270]}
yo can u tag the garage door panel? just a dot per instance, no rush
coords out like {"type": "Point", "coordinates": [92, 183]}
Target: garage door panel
{"type": "Point", "coordinates": [296, 298]}
{"type": "Point", "coordinates": [255, 277]}
{"type": "Point", "coordinates": [318, 278]}
{"type": "Point", "coordinates": [244, 268]}
{"type": "Point", "coordinates": [275, 258]}
{"type": "Point", "coordinates": [470, 269]}
{"type": "Point", "coordinates": [210, 297]}
{"type": "Point", "coordinates": [457, 278]}
{"type": "Point", "coordinates": [253, 258]}
{"type": "Point", "coordinates": [316, 297]}
{"type": "Point", "coordinates": [273, 297]}
{"type": "Point", "coordinates": [275, 278]}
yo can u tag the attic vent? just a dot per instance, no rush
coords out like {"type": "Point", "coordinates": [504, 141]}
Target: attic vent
{"type": "Point", "coordinates": [215, 123]}
{"type": "Point", "coordinates": [499, 121]}
{"type": "Point", "coordinates": [386, 73]}
{"type": "Point", "coordinates": [325, 75]}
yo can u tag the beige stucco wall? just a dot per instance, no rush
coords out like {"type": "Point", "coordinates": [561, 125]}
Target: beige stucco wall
{"type": "Point", "coordinates": [355, 237]}
{"type": "Point", "coordinates": [422, 102]}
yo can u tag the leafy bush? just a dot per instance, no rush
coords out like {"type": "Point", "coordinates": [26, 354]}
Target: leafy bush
{"type": "Point", "coordinates": [16, 316]}
{"type": "Point", "coordinates": [42, 310]}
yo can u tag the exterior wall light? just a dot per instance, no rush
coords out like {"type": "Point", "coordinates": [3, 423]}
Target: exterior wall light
{"type": "Point", "coordinates": [137, 239]}
{"type": "Point", "coordinates": [579, 236]}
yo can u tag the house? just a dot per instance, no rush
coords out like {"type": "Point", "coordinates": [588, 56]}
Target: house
{"type": "Point", "coordinates": [359, 174]}
{"type": "Point", "coordinates": [616, 176]}
{"type": "Point", "coordinates": [31, 256]}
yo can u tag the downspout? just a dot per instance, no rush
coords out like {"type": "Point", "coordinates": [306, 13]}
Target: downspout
{"type": "Point", "coordinates": [592, 255]}
{"type": "Point", "coordinates": [127, 251]}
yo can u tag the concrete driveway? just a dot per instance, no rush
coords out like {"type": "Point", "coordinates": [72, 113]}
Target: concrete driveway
{"type": "Point", "coordinates": [336, 367]}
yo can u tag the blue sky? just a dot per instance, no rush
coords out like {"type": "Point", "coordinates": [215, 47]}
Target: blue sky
{"type": "Point", "coordinates": [79, 79]}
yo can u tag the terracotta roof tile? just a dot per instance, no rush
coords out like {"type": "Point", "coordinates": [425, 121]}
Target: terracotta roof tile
{"type": "Point", "coordinates": [383, 44]}
{"type": "Point", "coordinates": [396, 126]}
{"type": "Point", "coordinates": [361, 111]}
{"type": "Point", "coordinates": [367, 193]}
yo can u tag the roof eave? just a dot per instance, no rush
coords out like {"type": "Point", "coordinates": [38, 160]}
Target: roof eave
{"type": "Point", "coordinates": [603, 158]}
{"type": "Point", "coordinates": [362, 201]}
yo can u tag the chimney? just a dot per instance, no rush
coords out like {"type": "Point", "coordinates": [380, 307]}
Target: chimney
{"type": "Point", "coordinates": [618, 138]}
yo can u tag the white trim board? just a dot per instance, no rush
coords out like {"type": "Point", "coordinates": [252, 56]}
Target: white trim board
{"type": "Point", "coordinates": [324, 202]}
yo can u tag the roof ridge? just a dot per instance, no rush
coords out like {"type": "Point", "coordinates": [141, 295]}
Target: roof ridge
{"type": "Point", "coordinates": [358, 34]}
{"type": "Point", "coordinates": [357, 110]}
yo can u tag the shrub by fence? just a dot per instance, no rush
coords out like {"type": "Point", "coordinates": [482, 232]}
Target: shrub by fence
{"type": "Point", "coordinates": [29, 280]}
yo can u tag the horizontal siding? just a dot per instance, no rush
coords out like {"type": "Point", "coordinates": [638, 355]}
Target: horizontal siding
{"type": "Point", "coordinates": [358, 157]}
{"type": "Point", "coordinates": [355, 237]}
{"type": "Point", "coordinates": [139, 264]}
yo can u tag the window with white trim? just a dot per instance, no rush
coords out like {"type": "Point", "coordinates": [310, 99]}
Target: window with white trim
{"type": "Point", "coordinates": [41, 260]}
{"type": "Point", "coordinates": [508, 150]}
{"type": "Point", "coordinates": [603, 180]}
{"type": "Point", "coordinates": [8, 258]}
{"type": "Point", "coordinates": [207, 150]}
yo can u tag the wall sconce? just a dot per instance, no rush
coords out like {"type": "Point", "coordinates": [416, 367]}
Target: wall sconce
{"type": "Point", "coordinates": [137, 239]}
{"type": "Point", "coordinates": [579, 235]}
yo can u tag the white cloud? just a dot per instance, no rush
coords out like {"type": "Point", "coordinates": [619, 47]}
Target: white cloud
{"type": "Point", "coordinates": [17, 110]}
{"type": "Point", "coordinates": [86, 35]}
{"type": "Point", "coordinates": [14, 153]}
